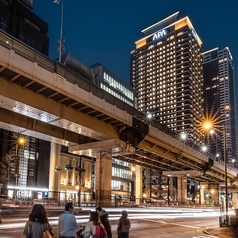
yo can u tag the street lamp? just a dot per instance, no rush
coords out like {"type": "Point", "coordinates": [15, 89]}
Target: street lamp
{"type": "Point", "coordinates": [183, 136]}
{"type": "Point", "coordinates": [61, 39]}
{"type": "Point", "coordinates": [225, 164]}
{"type": "Point", "coordinates": [80, 171]}
{"type": "Point", "coordinates": [208, 126]}
{"type": "Point", "coordinates": [133, 168]}
{"type": "Point", "coordinates": [20, 141]}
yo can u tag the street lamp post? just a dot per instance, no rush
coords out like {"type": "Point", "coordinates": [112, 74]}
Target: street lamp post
{"type": "Point", "coordinates": [81, 171]}
{"type": "Point", "coordinates": [208, 126]}
{"type": "Point", "coordinates": [61, 39]}
{"type": "Point", "coordinates": [21, 141]}
{"type": "Point", "coordinates": [225, 165]}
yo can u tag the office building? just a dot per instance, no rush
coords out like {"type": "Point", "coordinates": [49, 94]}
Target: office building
{"type": "Point", "coordinates": [112, 84]}
{"type": "Point", "coordinates": [166, 73]}
{"type": "Point", "coordinates": [23, 165]}
{"type": "Point", "coordinates": [18, 20]}
{"type": "Point", "coordinates": [219, 99]}
{"type": "Point", "coordinates": [100, 76]}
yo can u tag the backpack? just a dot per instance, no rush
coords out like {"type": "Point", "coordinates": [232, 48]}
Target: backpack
{"type": "Point", "coordinates": [100, 232]}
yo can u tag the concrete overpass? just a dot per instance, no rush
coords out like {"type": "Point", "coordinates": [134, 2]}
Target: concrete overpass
{"type": "Point", "coordinates": [43, 99]}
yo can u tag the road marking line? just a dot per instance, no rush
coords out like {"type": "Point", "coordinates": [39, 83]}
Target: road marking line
{"type": "Point", "coordinates": [176, 224]}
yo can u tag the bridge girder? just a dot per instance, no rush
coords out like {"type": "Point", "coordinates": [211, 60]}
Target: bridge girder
{"type": "Point", "coordinates": [21, 80]}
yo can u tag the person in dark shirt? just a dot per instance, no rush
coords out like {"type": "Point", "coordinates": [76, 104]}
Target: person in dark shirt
{"type": "Point", "coordinates": [124, 225]}
{"type": "Point", "coordinates": [105, 220]}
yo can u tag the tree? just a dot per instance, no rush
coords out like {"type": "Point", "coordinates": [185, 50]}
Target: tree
{"type": "Point", "coordinates": [6, 165]}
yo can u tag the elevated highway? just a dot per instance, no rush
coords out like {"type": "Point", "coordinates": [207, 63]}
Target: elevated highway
{"type": "Point", "coordinates": [43, 99]}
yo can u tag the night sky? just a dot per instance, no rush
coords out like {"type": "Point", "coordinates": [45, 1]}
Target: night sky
{"type": "Point", "coordinates": [105, 31]}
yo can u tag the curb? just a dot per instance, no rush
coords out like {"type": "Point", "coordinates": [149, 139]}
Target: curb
{"type": "Point", "coordinates": [217, 233]}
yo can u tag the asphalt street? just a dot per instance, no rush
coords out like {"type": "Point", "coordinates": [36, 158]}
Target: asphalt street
{"type": "Point", "coordinates": [158, 222]}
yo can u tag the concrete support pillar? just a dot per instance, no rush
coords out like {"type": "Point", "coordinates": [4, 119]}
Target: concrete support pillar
{"type": "Point", "coordinates": [171, 188]}
{"type": "Point", "coordinates": [54, 177]}
{"type": "Point", "coordinates": [138, 187]}
{"type": "Point", "coordinates": [146, 192]}
{"type": "Point", "coordinates": [235, 200]}
{"type": "Point", "coordinates": [215, 196]}
{"type": "Point", "coordinates": [182, 190]}
{"type": "Point", "coordinates": [103, 178]}
{"type": "Point", "coordinates": [202, 193]}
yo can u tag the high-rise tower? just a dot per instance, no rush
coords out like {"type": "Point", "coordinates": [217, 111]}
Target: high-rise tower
{"type": "Point", "coordinates": [166, 73]}
{"type": "Point", "coordinates": [219, 99]}
{"type": "Point", "coordinates": [18, 20]}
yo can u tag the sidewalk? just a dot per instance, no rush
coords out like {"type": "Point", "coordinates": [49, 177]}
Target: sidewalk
{"type": "Point", "coordinates": [224, 232]}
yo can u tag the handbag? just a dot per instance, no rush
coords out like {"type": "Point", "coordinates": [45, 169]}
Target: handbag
{"type": "Point", "coordinates": [80, 232]}
{"type": "Point", "coordinates": [46, 234]}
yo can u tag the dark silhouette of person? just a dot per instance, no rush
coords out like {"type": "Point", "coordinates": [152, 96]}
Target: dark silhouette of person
{"type": "Point", "coordinates": [104, 217]}
{"type": "Point", "coordinates": [124, 225]}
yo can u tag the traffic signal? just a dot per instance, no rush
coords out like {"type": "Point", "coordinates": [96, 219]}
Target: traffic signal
{"type": "Point", "coordinates": [67, 167]}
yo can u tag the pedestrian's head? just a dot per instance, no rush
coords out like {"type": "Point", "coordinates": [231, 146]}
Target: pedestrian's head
{"type": "Point", "coordinates": [99, 209]}
{"type": "Point", "coordinates": [38, 213]}
{"type": "Point", "coordinates": [94, 217]}
{"type": "Point", "coordinates": [124, 213]}
{"type": "Point", "coordinates": [69, 207]}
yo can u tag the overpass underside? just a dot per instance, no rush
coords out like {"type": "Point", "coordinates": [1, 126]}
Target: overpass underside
{"type": "Point", "coordinates": [41, 98]}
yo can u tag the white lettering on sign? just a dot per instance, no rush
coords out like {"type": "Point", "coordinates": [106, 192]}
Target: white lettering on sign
{"type": "Point", "coordinates": [159, 34]}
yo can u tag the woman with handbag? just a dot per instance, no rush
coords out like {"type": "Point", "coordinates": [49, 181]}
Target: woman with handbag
{"type": "Point", "coordinates": [94, 228]}
{"type": "Point", "coordinates": [38, 225]}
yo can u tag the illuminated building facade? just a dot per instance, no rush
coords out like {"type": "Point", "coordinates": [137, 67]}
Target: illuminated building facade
{"type": "Point", "coordinates": [219, 99]}
{"type": "Point", "coordinates": [27, 166]}
{"type": "Point", "coordinates": [123, 182]}
{"type": "Point", "coordinates": [112, 84]}
{"type": "Point", "coordinates": [166, 73]}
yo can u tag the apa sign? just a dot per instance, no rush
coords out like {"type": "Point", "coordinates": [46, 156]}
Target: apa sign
{"type": "Point", "coordinates": [159, 34]}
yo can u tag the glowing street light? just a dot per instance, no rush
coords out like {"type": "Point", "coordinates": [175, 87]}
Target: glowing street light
{"type": "Point", "coordinates": [21, 141]}
{"type": "Point", "coordinates": [204, 148]}
{"type": "Point", "coordinates": [183, 136]}
{"type": "Point", "coordinates": [133, 168]}
{"type": "Point", "coordinates": [149, 116]}
{"type": "Point", "coordinates": [208, 126]}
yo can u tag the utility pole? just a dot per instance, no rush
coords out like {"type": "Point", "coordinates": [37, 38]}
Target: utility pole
{"type": "Point", "coordinates": [61, 39]}
{"type": "Point", "coordinates": [81, 171]}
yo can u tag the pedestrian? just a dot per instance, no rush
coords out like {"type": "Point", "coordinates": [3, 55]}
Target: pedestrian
{"type": "Point", "coordinates": [38, 223]}
{"type": "Point", "coordinates": [67, 224]}
{"type": "Point", "coordinates": [104, 218]}
{"type": "Point", "coordinates": [124, 225]}
{"type": "Point", "coordinates": [94, 228]}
